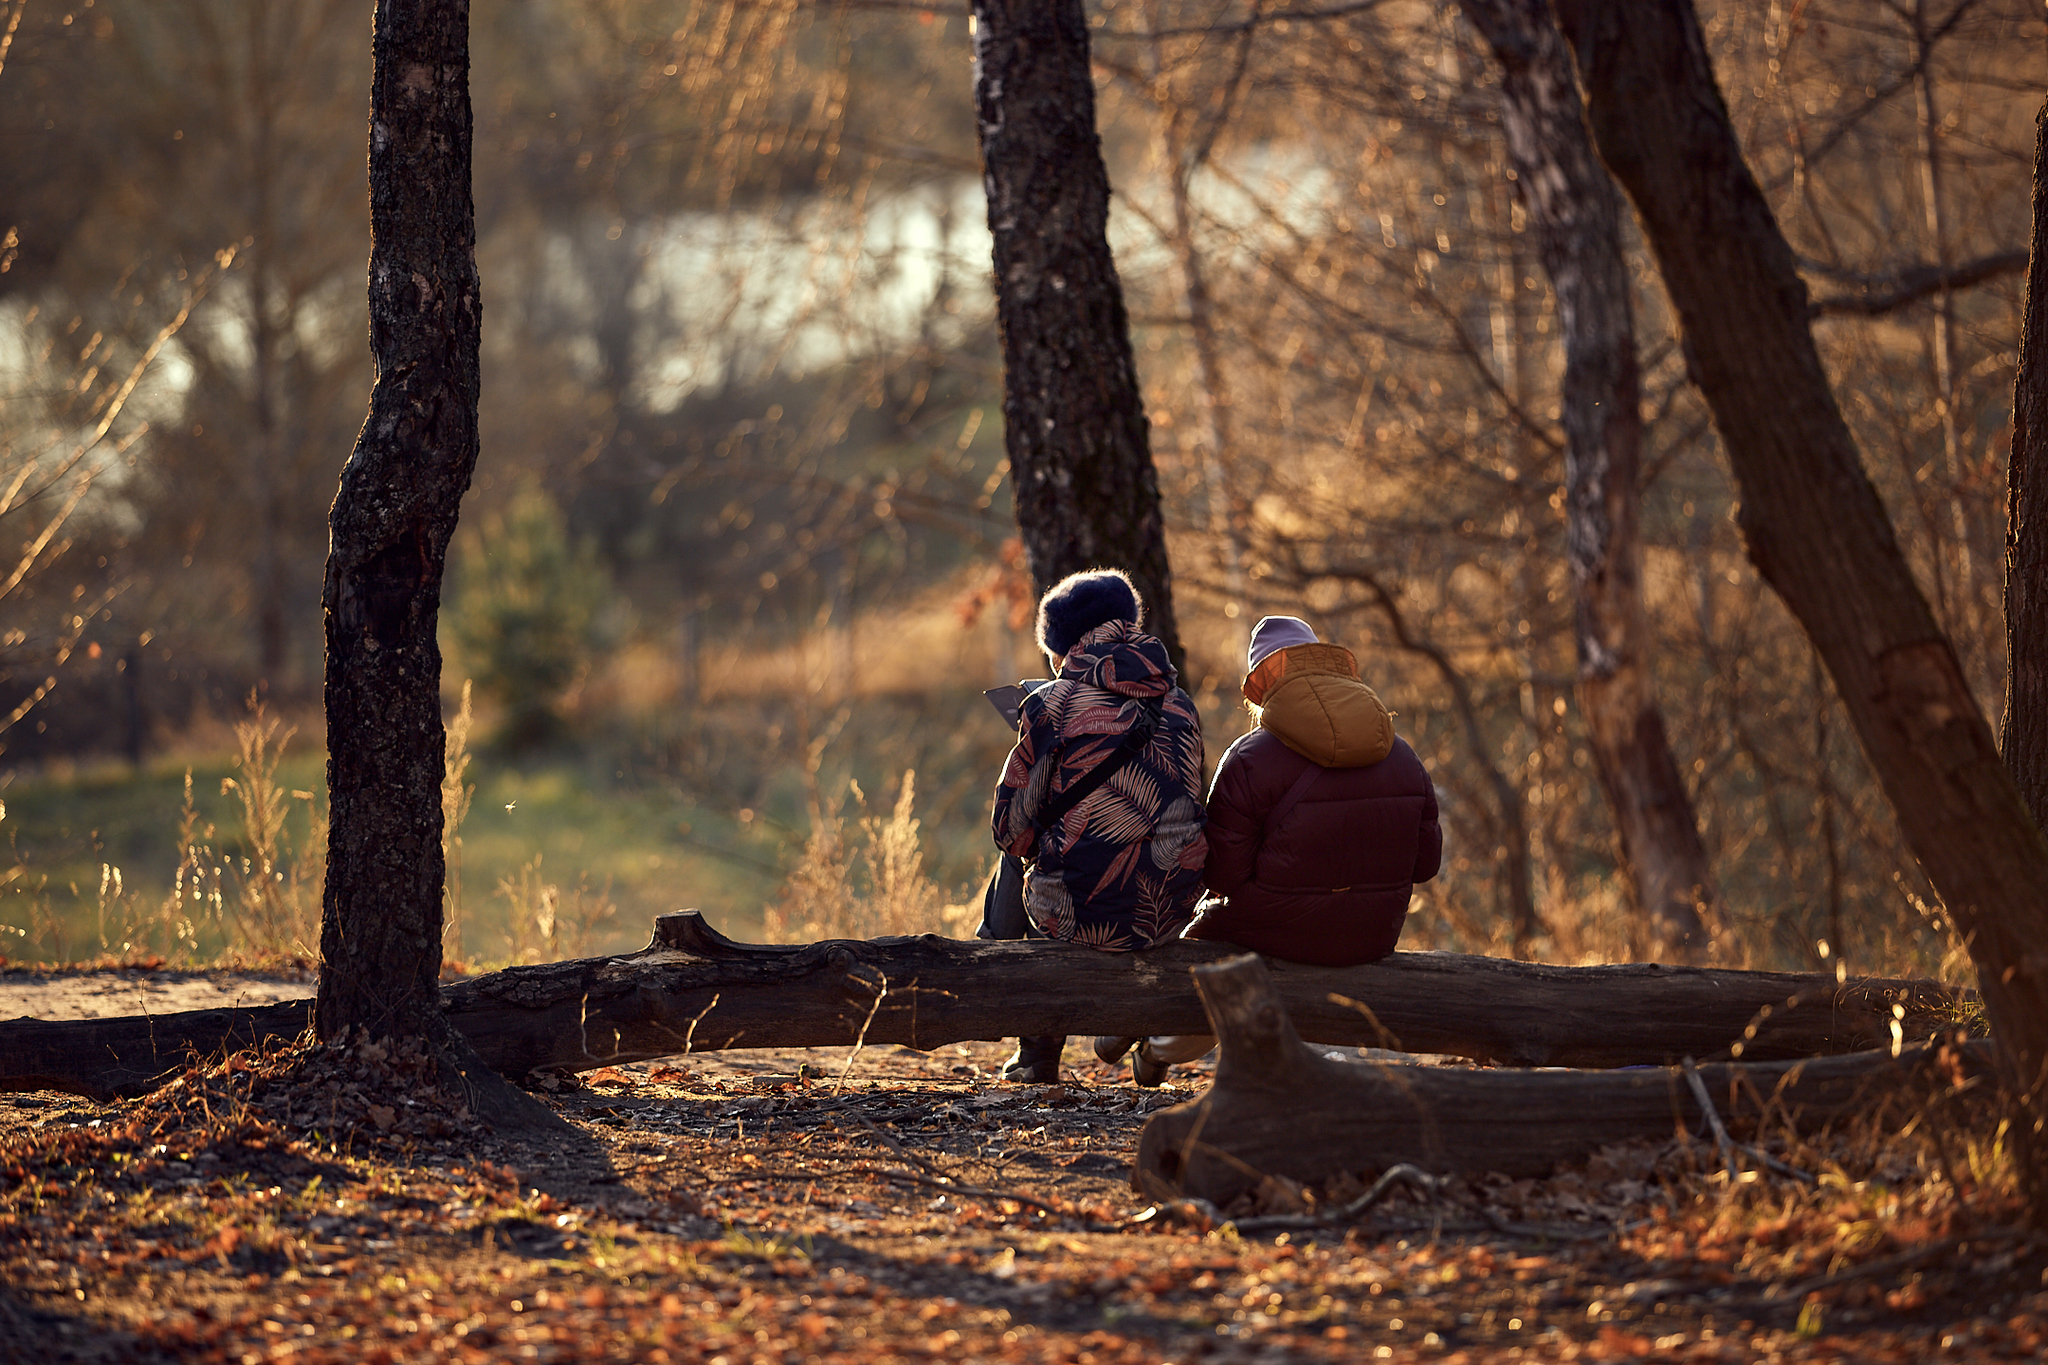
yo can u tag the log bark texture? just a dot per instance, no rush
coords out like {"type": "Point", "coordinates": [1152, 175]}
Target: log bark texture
{"type": "Point", "coordinates": [1074, 423]}
{"type": "Point", "coordinates": [2025, 738]}
{"type": "Point", "coordinates": [1814, 524]}
{"type": "Point", "coordinates": [693, 990]}
{"type": "Point", "coordinates": [1576, 211]}
{"type": "Point", "coordinates": [1282, 1108]}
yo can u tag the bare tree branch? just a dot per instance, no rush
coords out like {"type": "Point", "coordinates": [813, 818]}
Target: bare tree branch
{"type": "Point", "coordinates": [1879, 294]}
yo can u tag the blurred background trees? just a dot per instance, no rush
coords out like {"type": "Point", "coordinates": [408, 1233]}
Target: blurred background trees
{"type": "Point", "coordinates": [739, 334]}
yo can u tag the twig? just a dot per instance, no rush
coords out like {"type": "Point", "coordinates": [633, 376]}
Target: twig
{"type": "Point", "coordinates": [1722, 1141]}
{"type": "Point", "coordinates": [1387, 1039]}
{"type": "Point", "coordinates": [860, 1039]}
{"type": "Point", "coordinates": [1207, 1211]}
{"type": "Point", "coordinates": [1729, 1146]}
{"type": "Point", "coordinates": [1188, 1208]}
{"type": "Point", "coordinates": [1888, 1264]}
{"type": "Point", "coordinates": [889, 1141]}
{"type": "Point", "coordinates": [690, 1038]}
{"type": "Point", "coordinates": [969, 1191]}
{"type": "Point", "coordinates": [1402, 1171]}
{"type": "Point", "coordinates": [1554, 1232]}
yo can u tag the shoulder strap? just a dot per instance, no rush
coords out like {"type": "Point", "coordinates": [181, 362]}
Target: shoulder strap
{"type": "Point", "coordinates": [1287, 803]}
{"type": "Point", "coordinates": [1134, 742]}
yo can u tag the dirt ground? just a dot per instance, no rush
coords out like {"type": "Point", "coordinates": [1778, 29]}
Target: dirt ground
{"type": "Point", "coordinates": [104, 994]}
{"type": "Point", "coordinates": [801, 1206]}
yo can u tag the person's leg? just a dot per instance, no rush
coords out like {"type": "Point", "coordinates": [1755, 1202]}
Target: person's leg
{"type": "Point", "coordinates": [1173, 1049]}
{"type": "Point", "coordinates": [1036, 1060]}
{"type": "Point", "coordinates": [1156, 1053]}
{"type": "Point", "coordinates": [1002, 902]}
{"type": "Point", "coordinates": [1148, 1068]}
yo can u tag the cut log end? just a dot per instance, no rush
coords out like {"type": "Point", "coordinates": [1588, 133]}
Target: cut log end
{"type": "Point", "coordinates": [687, 931]}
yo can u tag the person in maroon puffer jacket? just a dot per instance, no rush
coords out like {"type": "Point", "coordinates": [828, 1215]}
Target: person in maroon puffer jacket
{"type": "Point", "coordinates": [1321, 821]}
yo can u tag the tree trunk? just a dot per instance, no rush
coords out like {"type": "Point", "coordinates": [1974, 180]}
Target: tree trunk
{"type": "Point", "coordinates": [2026, 536]}
{"type": "Point", "coordinates": [1074, 417]}
{"type": "Point", "coordinates": [1282, 1108]}
{"type": "Point", "coordinates": [1814, 525]}
{"type": "Point", "coordinates": [380, 931]}
{"type": "Point", "coordinates": [1577, 215]}
{"type": "Point", "coordinates": [692, 990]}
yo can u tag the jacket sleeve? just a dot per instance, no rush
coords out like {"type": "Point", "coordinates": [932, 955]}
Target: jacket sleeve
{"type": "Point", "coordinates": [1429, 847]}
{"type": "Point", "coordinates": [1233, 830]}
{"type": "Point", "coordinates": [1009, 800]}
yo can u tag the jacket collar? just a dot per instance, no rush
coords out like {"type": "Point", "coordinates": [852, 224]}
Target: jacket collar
{"type": "Point", "coordinates": [1297, 661]}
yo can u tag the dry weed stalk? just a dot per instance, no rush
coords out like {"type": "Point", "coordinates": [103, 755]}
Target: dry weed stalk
{"type": "Point", "coordinates": [455, 799]}
{"type": "Point", "coordinates": [261, 903]}
{"type": "Point", "coordinates": [901, 898]}
{"type": "Point", "coordinates": [538, 929]}
{"type": "Point", "coordinates": [818, 899]}
{"type": "Point", "coordinates": [822, 897]}
{"type": "Point", "coordinates": [277, 902]}
{"type": "Point", "coordinates": [195, 901]}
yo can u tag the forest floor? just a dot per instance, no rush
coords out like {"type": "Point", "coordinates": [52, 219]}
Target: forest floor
{"type": "Point", "coordinates": [896, 1205]}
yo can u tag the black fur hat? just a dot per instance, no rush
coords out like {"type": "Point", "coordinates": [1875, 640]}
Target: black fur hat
{"type": "Point", "coordinates": [1080, 602]}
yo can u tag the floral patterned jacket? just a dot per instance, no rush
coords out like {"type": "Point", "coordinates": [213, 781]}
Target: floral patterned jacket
{"type": "Point", "coordinates": [1123, 869]}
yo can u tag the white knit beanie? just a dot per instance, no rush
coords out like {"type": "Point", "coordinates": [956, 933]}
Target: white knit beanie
{"type": "Point", "coordinates": [1276, 633]}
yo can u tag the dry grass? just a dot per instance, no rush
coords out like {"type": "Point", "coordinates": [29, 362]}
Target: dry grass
{"type": "Point", "coordinates": [545, 925]}
{"type": "Point", "coordinates": [865, 887]}
{"type": "Point", "coordinates": [278, 881]}
{"type": "Point", "coordinates": [455, 799]}
{"type": "Point", "coordinates": [249, 900]}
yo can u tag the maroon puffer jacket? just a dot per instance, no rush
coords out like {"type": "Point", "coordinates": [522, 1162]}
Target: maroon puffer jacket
{"type": "Point", "coordinates": [1329, 883]}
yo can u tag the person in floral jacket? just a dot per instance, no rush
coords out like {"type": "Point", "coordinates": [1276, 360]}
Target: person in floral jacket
{"type": "Point", "coordinates": [1100, 805]}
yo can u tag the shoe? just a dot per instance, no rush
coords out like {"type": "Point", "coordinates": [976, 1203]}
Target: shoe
{"type": "Point", "coordinates": [1147, 1070]}
{"type": "Point", "coordinates": [1110, 1048]}
{"type": "Point", "coordinates": [1035, 1062]}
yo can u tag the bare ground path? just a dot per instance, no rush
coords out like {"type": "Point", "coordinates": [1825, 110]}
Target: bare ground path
{"type": "Point", "coordinates": [796, 1205]}
{"type": "Point", "coordinates": [117, 991]}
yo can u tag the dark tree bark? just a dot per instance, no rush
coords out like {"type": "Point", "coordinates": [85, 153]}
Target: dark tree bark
{"type": "Point", "coordinates": [1577, 216]}
{"type": "Point", "coordinates": [1814, 525]}
{"type": "Point", "coordinates": [380, 931]}
{"type": "Point", "coordinates": [2025, 741]}
{"type": "Point", "coordinates": [692, 990]}
{"type": "Point", "coordinates": [1282, 1108]}
{"type": "Point", "coordinates": [1074, 417]}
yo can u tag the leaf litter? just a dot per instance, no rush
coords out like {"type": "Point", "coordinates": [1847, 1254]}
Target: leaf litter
{"type": "Point", "coordinates": [325, 1204]}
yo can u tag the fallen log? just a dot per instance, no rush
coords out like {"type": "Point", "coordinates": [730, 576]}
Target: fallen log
{"type": "Point", "coordinates": [104, 1059]}
{"type": "Point", "coordinates": [693, 990]}
{"type": "Point", "coordinates": [1280, 1107]}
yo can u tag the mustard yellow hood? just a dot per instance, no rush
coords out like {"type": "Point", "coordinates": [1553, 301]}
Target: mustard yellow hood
{"type": "Point", "coordinates": [1312, 699]}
